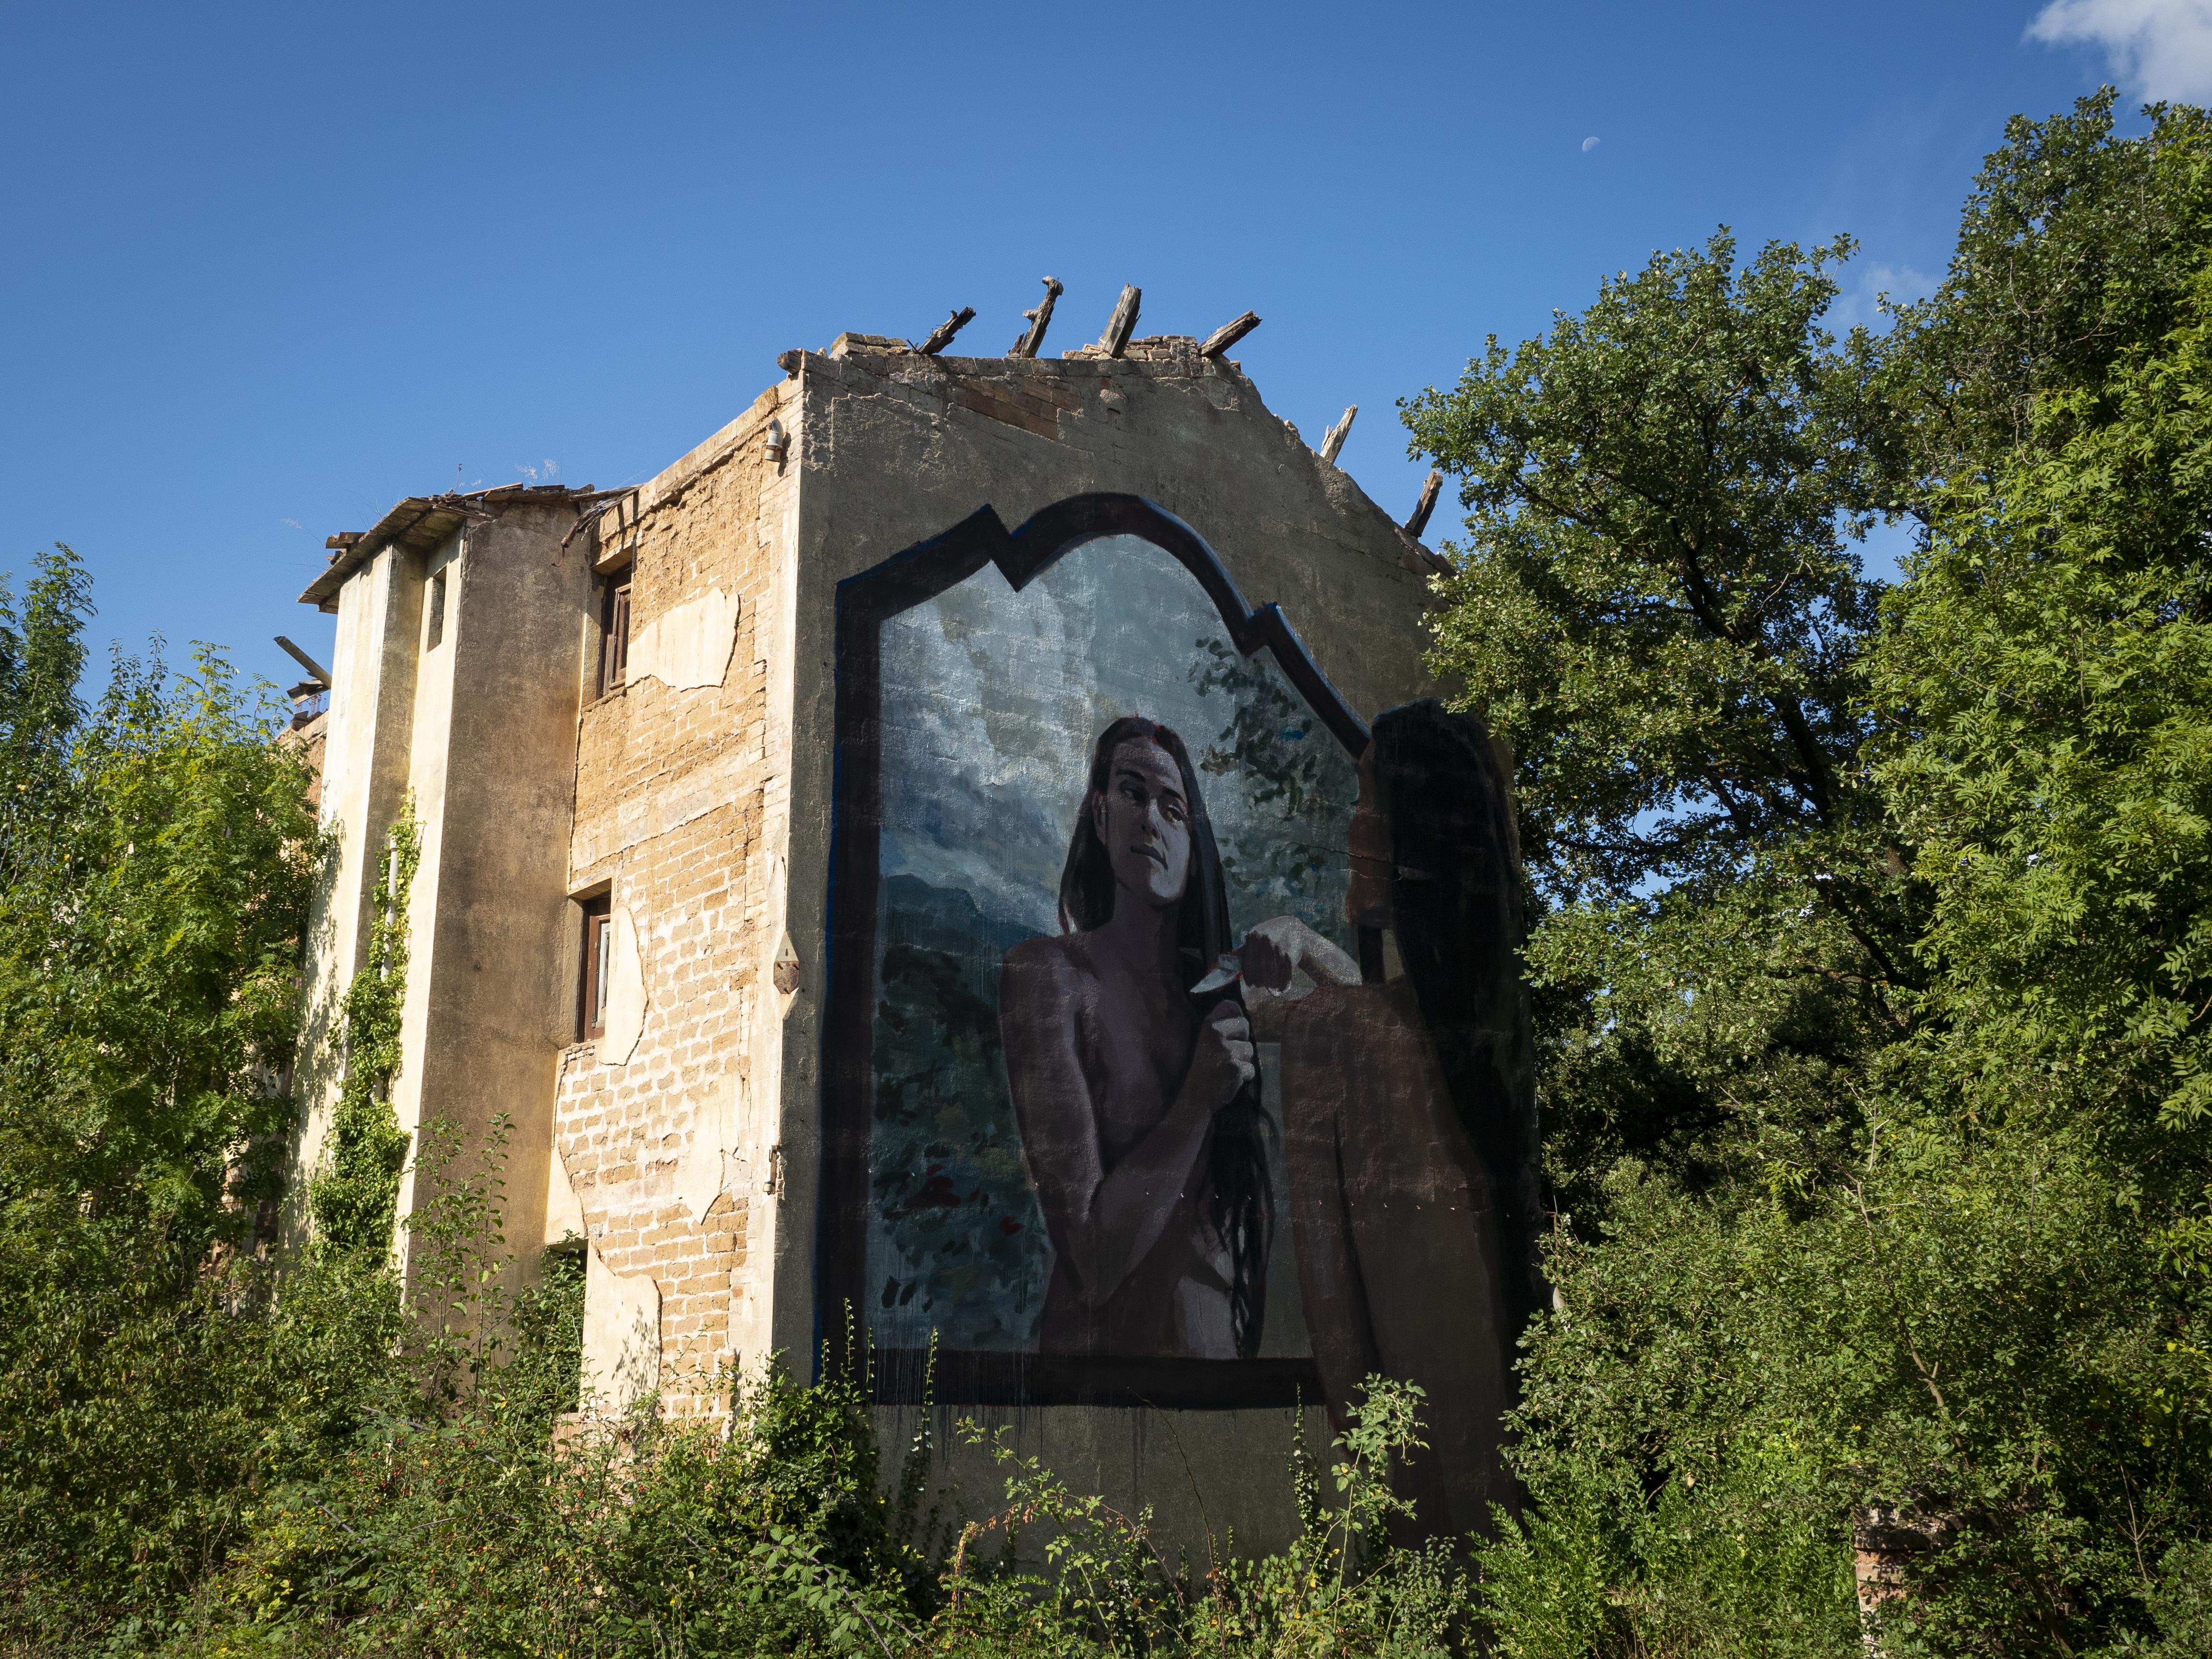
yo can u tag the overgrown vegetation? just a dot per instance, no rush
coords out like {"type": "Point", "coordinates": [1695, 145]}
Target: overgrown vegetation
{"type": "Point", "coordinates": [154, 858]}
{"type": "Point", "coordinates": [1873, 975]}
{"type": "Point", "coordinates": [474, 1529]}
{"type": "Point", "coordinates": [353, 1199]}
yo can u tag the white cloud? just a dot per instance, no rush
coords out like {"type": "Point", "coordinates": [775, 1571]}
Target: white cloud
{"type": "Point", "coordinates": [1589, 144]}
{"type": "Point", "coordinates": [2162, 48]}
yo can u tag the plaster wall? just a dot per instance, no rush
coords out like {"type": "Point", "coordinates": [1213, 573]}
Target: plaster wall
{"type": "Point", "coordinates": [492, 773]}
{"type": "Point", "coordinates": [369, 728]}
{"type": "Point", "coordinates": [426, 754]}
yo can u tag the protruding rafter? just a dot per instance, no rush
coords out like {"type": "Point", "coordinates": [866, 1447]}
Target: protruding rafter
{"type": "Point", "coordinates": [1123, 323]}
{"type": "Point", "coordinates": [315, 671]}
{"type": "Point", "coordinates": [1414, 526]}
{"type": "Point", "coordinates": [1032, 338]}
{"type": "Point", "coordinates": [1229, 334]}
{"type": "Point", "coordinates": [941, 336]}
{"type": "Point", "coordinates": [1333, 442]}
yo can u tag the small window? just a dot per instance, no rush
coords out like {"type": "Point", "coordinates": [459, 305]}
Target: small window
{"type": "Point", "coordinates": [614, 629]}
{"type": "Point", "coordinates": [599, 959]}
{"type": "Point", "coordinates": [436, 606]}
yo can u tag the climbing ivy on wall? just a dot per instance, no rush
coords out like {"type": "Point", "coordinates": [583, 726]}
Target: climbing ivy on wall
{"type": "Point", "coordinates": [354, 1198]}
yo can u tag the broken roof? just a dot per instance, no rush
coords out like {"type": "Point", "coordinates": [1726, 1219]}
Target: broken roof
{"type": "Point", "coordinates": [420, 523]}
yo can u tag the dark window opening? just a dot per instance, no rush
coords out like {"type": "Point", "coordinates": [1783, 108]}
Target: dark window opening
{"type": "Point", "coordinates": [437, 605]}
{"type": "Point", "coordinates": [614, 633]}
{"type": "Point", "coordinates": [599, 958]}
{"type": "Point", "coordinates": [550, 1318]}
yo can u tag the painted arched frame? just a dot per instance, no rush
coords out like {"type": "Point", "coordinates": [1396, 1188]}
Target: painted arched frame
{"type": "Point", "coordinates": [864, 603]}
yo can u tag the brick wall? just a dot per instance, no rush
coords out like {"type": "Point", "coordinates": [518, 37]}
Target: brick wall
{"type": "Point", "coordinates": [674, 804]}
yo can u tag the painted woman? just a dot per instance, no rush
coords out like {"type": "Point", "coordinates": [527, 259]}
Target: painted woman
{"type": "Point", "coordinates": [1409, 1107]}
{"type": "Point", "coordinates": [1138, 1105]}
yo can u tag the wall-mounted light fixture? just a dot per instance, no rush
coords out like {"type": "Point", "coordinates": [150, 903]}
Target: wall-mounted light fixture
{"type": "Point", "coordinates": [779, 443]}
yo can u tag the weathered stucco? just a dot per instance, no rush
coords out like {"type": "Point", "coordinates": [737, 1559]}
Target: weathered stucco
{"type": "Point", "coordinates": [622, 1344]}
{"type": "Point", "coordinates": [488, 1000]}
{"type": "Point", "coordinates": [475, 736]}
{"type": "Point", "coordinates": [689, 645]}
{"type": "Point", "coordinates": [626, 997]}
{"type": "Point", "coordinates": [368, 724]}
{"type": "Point", "coordinates": [894, 449]}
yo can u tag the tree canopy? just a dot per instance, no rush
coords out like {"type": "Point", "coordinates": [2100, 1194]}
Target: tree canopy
{"type": "Point", "coordinates": [1874, 971]}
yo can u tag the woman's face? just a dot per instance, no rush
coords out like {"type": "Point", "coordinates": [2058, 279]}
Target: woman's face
{"type": "Point", "coordinates": [1144, 823]}
{"type": "Point", "coordinates": [1367, 900]}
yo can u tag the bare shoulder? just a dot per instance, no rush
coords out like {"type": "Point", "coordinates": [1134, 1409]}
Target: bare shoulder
{"type": "Point", "coordinates": [1042, 994]}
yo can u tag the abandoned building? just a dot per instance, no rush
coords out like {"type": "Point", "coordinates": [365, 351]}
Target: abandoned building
{"type": "Point", "coordinates": [734, 790]}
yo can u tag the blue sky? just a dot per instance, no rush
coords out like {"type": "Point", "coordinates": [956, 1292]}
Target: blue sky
{"type": "Point", "coordinates": [269, 269]}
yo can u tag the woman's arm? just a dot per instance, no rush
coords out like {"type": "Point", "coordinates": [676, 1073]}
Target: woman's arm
{"type": "Point", "coordinates": [1276, 949]}
{"type": "Point", "coordinates": [1102, 1223]}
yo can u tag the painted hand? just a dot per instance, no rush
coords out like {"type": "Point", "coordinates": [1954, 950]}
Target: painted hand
{"type": "Point", "coordinates": [1222, 1062]}
{"type": "Point", "coordinates": [1275, 950]}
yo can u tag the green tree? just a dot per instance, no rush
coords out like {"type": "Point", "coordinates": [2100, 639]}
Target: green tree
{"type": "Point", "coordinates": [1880, 1118]}
{"type": "Point", "coordinates": [2042, 680]}
{"type": "Point", "coordinates": [2044, 686]}
{"type": "Point", "coordinates": [1660, 607]}
{"type": "Point", "coordinates": [155, 855]}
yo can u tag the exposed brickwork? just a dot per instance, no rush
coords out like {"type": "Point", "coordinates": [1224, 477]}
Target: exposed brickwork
{"type": "Point", "coordinates": [1033, 402]}
{"type": "Point", "coordinates": [1179, 351]}
{"type": "Point", "coordinates": [309, 737]}
{"type": "Point", "coordinates": [672, 790]}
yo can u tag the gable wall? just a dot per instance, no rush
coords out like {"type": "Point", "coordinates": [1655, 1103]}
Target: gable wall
{"type": "Point", "coordinates": [895, 449]}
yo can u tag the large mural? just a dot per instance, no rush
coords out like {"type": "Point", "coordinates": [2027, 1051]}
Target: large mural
{"type": "Point", "coordinates": [1121, 1102]}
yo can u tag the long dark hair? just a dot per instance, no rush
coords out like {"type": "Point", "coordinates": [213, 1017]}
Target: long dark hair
{"type": "Point", "coordinates": [1458, 915]}
{"type": "Point", "coordinates": [1240, 1203]}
